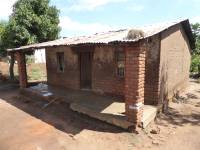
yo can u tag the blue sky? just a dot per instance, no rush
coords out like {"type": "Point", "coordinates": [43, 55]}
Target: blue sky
{"type": "Point", "coordinates": [83, 17]}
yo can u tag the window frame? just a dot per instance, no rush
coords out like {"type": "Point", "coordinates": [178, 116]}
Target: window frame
{"type": "Point", "coordinates": [119, 60]}
{"type": "Point", "coordinates": [60, 59]}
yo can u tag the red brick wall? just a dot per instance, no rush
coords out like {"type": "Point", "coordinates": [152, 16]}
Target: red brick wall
{"type": "Point", "coordinates": [174, 62]}
{"type": "Point", "coordinates": [134, 82]}
{"type": "Point", "coordinates": [70, 77]}
{"type": "Point", "coordinates": [104, 77]}
{"type": "Point", "coordinates": [151, 93]}
{"type": "Point", "coordinates": [167, 65]}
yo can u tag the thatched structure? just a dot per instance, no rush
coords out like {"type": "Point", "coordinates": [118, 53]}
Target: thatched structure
{"type": "Point", "coordinates": [135, 34]}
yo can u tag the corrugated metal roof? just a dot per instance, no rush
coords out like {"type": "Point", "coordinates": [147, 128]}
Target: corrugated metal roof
{"type": "Point", "coordinates": [104, 37]}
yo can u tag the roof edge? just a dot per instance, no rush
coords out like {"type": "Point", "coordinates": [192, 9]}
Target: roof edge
{"type": "Point", "coordinates": [185, 24]}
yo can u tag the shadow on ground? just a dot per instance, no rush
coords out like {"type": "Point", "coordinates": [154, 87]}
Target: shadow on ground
{"type": "Point", "coordinates": [58, 115]}
{"type": "Point", "coordinates": [172, 116]}
{"type": "Point", "coordinates": [193, 96]}
{"type": "Point", "coordinates": [198, 104]}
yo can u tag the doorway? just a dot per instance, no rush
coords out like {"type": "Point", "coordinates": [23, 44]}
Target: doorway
{"type": "Point", "coordinates": [85, 70]}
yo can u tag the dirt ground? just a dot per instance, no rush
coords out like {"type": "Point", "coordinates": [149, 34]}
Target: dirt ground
{"type": "Point", "coordinates": [25, 125]}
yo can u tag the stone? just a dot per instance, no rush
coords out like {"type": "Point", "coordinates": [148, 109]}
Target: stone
{"type": "Point", "coordinates": [155, 131]}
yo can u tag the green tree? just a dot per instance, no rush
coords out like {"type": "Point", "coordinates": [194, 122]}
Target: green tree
{"type": "Point", "coordinates": [195, 64]}
{"type": "Point", "coordinates": [196, 34]}
{"type": "Point", "coordinates": [3, 25]}
{"type": "Point", "coordinates": [32, 21]}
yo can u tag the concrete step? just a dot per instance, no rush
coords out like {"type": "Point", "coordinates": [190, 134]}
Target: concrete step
{"type": "Point", "coordinates": [117, 120]}
{"type": "Point", "coordinates": [149, 115]}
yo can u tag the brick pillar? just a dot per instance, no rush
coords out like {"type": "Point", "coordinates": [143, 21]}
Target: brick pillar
{"type": "Point", "coordinates": [134, 83]}
{"type": "Point", "coordinates": [21, 61]}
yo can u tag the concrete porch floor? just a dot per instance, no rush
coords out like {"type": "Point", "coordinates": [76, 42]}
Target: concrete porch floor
{"type": "Point", "coordinates": [106, 108]}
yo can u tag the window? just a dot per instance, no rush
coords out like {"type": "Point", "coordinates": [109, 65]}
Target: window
{"type": "Point", "coordinates": [120, 59]}
{"type": "Point", "coordinates": [60, 61]}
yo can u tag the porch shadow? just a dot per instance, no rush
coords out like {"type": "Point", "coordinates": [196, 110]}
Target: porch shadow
{"type": "Point", "coordinates": [110, 109]}
{"type": "Point", "coordinates": [58, 114]}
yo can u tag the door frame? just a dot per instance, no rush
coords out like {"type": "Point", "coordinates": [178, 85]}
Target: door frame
{"type": "Point", "coordinates": [80, 74]}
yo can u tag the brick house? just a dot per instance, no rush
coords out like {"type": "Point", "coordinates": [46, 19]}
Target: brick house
{"type": "Point", "coordinates": [144, 66]}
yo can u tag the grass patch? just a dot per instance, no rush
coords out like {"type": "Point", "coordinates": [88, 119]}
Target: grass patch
{"type": "Point", "coordinates": [36, 72]}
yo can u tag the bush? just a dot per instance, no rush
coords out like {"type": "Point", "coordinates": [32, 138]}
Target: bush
{"type": "Point", "coordinates": [195, 64]}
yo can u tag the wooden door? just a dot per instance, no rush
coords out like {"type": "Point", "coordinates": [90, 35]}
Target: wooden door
{"type": "Point", "coordinates": [85, 70]}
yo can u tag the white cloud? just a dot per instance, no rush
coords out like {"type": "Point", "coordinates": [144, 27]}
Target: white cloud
{"type": "Point", "coordinates": [195, 19]}
{"type": "Point", "coordinates": [69, 25]}
{"type": "Point", "coordinates": [6, 8]}
{"type": "Point", "coordinates": [90, 5]}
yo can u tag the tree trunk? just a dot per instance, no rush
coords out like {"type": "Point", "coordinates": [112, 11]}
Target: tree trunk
{"type": "Point", "coordinates": [11, 69]}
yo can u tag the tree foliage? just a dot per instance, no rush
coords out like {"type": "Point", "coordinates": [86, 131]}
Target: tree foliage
{"type": "Point", "coordinates": [196, 35]}
{"type": "Point", "coordinates": [3, 25]}
{"type": "Point", "coordinates": [195, 64]}
{"type": "Point", "coordinates": [31, 21]}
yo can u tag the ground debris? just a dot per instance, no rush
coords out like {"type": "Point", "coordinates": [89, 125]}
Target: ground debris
{"type": "Point", "coordinates": [179, 98]}
{"type": "Point", "coordinates": [51, 102]}
{"type": "Point", "coordinates": [155, 142]}
{"type": "Point", "coordinates": [72, 136]}
{"type": "Point", "coordinates": [155, 131]}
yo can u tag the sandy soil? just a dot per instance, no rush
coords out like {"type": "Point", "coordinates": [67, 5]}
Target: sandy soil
{"type": "Point", "coordinates": [24, 125]}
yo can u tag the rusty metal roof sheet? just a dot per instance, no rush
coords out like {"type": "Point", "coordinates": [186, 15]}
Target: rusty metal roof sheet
{"type": "Point", "coordinates": [108, 37]}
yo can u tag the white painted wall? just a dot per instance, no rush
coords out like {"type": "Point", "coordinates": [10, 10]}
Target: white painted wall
{"type": "Point", "coordinates": [40, 56]}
